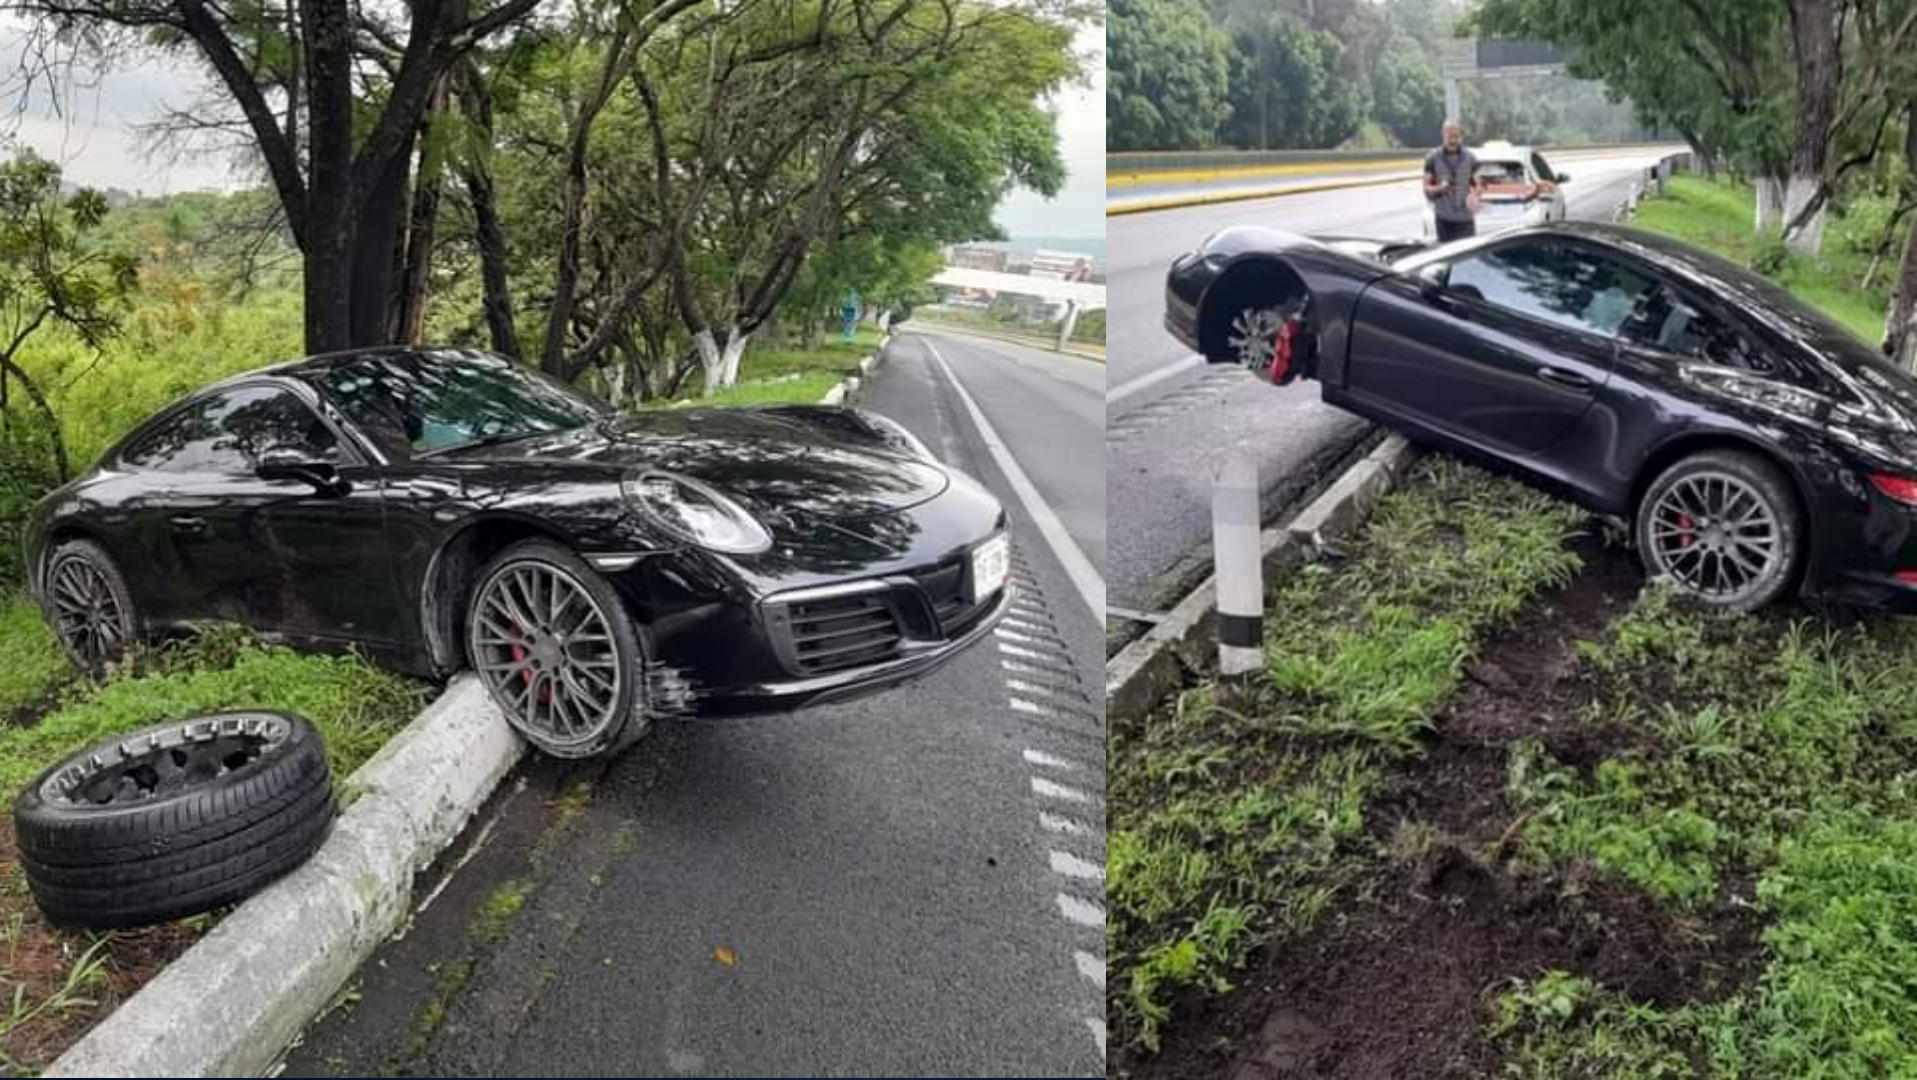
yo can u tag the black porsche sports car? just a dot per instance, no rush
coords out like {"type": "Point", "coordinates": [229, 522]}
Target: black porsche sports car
{"type": "Point", "coordinates": [1752, 445]}
{"type": "Point", "coordinates": [442, 509]}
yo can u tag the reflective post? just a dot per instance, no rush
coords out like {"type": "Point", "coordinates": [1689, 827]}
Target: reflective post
{"type": "Point", "coordinates": [1065, 328]}
{"type": "Point", "coordinates": [1239, 570]}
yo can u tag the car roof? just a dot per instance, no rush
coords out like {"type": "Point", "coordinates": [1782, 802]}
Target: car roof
{"type": "Point", "coordinates": [305, 367]}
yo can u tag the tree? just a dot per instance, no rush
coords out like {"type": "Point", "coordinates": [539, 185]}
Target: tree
{"type": "Point", "coordinates": [332, 96]}
{"type": "Point", "coordinates": [1168, 82]}
{"type": "Point", "coordinates": [1407, 95]}
{"type": "Point", "coordinates": [50, 276]}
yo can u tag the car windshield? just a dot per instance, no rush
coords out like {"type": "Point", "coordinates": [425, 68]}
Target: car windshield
{"type": "Point", "coordinates": [415, 404]}
{"type": "Point", "coordinates": [1500, 172]}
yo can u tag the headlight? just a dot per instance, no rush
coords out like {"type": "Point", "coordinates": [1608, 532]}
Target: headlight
{"type": "Point", "coordinates": [886, 423]}
{"type": "Point", "coordinates": [695, 513]}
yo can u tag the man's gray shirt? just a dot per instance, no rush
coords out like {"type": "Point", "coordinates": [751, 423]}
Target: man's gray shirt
{"type": "Point", "coordinates": [1450, 204]}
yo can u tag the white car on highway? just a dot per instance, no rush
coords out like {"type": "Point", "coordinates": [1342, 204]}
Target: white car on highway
{"type": "Point", "coordinates": [1519, 188]}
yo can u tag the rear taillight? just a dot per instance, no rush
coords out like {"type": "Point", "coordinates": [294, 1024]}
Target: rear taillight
{"type": "Point", "coordinates": [1282, 350]}
{"type": "Point", "coordinates": [1901, 488]}
{"type": "Point", "coordinates": [1906, 577]}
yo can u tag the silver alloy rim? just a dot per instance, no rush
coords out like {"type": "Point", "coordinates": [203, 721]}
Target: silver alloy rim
{"type": "Point", "coordinates": [86, 613]}
{"type": "Point", "coordinates": [1715, 535]}
{"type": "Point", "coordinates": [547, 653]}
{"type": "Point", "coordinates": [1254, 336]}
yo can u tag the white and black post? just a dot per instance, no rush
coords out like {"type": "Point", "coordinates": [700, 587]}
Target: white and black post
{"type": "Point", "coordinates": [1240, 572]}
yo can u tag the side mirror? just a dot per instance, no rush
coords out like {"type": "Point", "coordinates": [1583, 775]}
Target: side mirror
{"type": "Point", "coordinates": [1564, 178]}
{"type": "Point", "coordinates": [289, 463]}
{"type": "Point", "coordinates": [1433, 281]}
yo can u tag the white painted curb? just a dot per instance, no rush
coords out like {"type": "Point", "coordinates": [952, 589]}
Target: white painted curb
{"type": "Point", "coordinates": [230, 1004]}
{"type": "Point", "coordinates": [1143, 672]}
{"type": "Point", "coordinates": [842, 393]}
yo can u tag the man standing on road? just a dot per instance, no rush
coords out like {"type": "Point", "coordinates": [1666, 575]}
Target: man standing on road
{"type": "Point", "coordinates": [1451, 184]}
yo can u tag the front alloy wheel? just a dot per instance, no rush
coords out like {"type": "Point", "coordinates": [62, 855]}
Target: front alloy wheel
{"type": "Point", "coordinates": [1724, 527]}
{"type": "Point", "coordinates": [556, 651]}
{"type": "Point", "coordinates": [89, 606]}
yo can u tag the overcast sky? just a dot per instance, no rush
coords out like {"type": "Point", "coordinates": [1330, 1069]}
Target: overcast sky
{"type": "Point", "coordinates": [91, 133]}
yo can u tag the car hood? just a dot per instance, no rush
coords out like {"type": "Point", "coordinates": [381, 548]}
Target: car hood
{"type": "Point", "coordinates": [775, 465]}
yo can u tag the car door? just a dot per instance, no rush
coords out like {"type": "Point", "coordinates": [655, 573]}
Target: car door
{"type": "Point", "coordinates": [281, 555]}
{"type": "Point", "coordinates": [1503, 347]}
{"type": "Point", "coordinates": [1550, 187]}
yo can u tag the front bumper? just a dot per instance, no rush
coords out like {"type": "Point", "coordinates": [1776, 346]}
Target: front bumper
{"type": "Point", "coordinates": [912, 658]}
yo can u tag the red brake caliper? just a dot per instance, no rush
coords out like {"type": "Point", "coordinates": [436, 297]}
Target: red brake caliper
{"type": "Point", "coordinates": [1686, 523]}
{"type": "Point", "coordinates": [1281, 351]}
{"type": "Point", "coordinates": [525, 673]}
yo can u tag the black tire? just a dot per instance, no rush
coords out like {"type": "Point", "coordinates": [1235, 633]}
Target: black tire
{"type": "Point", "coordinates": [1743, 560]}
{"type": "Point", "coordinates": [174, 819]}
{"type": "Point", "coordinates": [508, 658]}
{"type": "Point", "coordinates": [98, 639]}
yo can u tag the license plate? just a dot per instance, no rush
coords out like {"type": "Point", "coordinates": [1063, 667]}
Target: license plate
{"type": "Point", "coordinates": [991, 561]}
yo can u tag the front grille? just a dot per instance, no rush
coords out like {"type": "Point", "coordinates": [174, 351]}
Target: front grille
{"type": "Point", "coordinates": [843, 632]}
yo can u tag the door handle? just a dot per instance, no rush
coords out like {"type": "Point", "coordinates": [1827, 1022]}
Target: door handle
{"type": "Point", "coordinates": [189, 526]}
{"type": "Point", "coordinates": [1565, 377]}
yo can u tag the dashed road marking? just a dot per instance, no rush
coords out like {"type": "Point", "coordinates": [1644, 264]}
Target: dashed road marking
{"type": "Point", "coordinates": [1050, 761]}
{"type": "Point", "coordinates": [1064, 825]}
{"type": "Point", "coordinates": [1091, 967]}
{"type": "Point", "coordinates": [1065, 864]}
{"type": "Point", "coordinates": [1081, 911]}
{"type": "Point", "coordinates": [1051, 790]}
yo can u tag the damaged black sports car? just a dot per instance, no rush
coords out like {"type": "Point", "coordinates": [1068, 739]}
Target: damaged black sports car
{"type": "Point", "coordinates": [445, 509]}
{"type": "Point", "coordinates": [1752, 446]}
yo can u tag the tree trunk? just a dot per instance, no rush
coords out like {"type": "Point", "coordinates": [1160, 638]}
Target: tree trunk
{"type": "Point", "coordinates": [379, 249]}
{"type": "Point", "coordinates": [8, 367]}
{"type": "Point", "coordinates": [711, 360]}
{"type": "Point", "coordinates": [1814, 47]}
{"type": "Point", "coordinates": [328, 251]}
{"type": "Point", "coordinates": [1900, 322]}
{"type": "Point", "coordinates": [488, 232]}
{"type": "Point", "coordinates": [734, 351]}
{"type": "Point", "coordinates": [1770, 204]}
{"type": "Point", "coordinates": [411, 324]}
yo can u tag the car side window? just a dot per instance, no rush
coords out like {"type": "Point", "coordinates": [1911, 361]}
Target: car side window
{"type": "Point", "coordinates": [1544, 171]}
{"type": "Point", "coordinates": [1672, 323]}
{"type": "Point", "coordinates": [226, 433]}
{"type": "Point", "coordinates": [1566, 284]}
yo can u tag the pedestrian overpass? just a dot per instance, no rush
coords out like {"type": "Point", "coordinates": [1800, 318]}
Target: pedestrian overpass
{"type": "Point", "coordinates": [1078, 296]}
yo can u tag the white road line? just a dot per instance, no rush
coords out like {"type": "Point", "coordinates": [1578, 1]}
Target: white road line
{"type": "Point", "coordinates": [1027, 654]}
{"type": "Point", "coordinates": [1010, 634]}
{"type": "Point", "coordinates": [1052, 712]}
{"type": "Point", "coordinates": [1036, 690]}
{"type": "Point", "coordinates": [1091, 967]}
{"type": "Point", "coordinates": [1085, 576]}
{"type": "Point", "coordinates": [1042, 786]}
{"type": "Point", "coordinates": [1050, 761]}
{"type": "Point", "coordinates": [1065, 864]}
{"type": "Point", "coordinates": [1098, 1031]}
{"type": "Point", "coordinates": [1132, 386]}
{"type": "Point", "coordinates": [1065, 825]}
{"type": "Point", "coordinates": [1082, 912]}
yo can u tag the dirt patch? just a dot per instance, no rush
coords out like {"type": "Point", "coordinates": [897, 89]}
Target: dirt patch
{"type": "Point", "coordinates": [42, 961]}
{"type": "Point", "coordinates": [1400, 978]}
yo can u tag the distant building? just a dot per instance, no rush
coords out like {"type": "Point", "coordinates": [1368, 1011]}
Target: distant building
{"type": "Point", "coordinates": [973, 257]}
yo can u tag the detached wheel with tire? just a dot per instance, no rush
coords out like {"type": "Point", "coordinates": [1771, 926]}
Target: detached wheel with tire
{"type": "Point", "coordinates": [1724, 525]}
{"type": "Point", "coordinates": [89, 606]}
{"type": "Point", "coordinates": [551, 640]}
{"type": "Point", "coordinates": [174, 819]}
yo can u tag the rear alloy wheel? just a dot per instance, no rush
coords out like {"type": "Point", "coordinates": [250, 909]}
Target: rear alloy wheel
{"type": "Point", "coordinates": [1253, 336]}
{"type": "Point", "coordinates": [87, 602]}
{"type": "Point", "coordinates": [554, 646]}
{"type": "Point", "coordinates": [1724, 527]}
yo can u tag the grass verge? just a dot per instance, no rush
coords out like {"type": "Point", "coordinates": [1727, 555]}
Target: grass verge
{"type": "Point", "coordinates": [1717, 216]}
{"type": "Point", "coordinates": [1773, 766]}
{"type": "Point", "coordinates": [782, 376]}
{"type": "Point", "coordinates": [1231, 827]}
{"type": "Point", "coordinates": [58, 983]}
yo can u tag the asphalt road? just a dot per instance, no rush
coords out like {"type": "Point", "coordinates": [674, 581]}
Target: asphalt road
{"type": "Point", "coordinates": [906, 885]}
{"type": "Point", "coordinates": [1170, 417]}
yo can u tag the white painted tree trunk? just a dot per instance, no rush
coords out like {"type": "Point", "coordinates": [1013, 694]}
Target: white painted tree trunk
{"type": "Point", "coordinates": [1808, 240]}
{"type": "Point", "coordinates": [720, 361]}
{"type": "Point", "coordinates": [711, 361]}
{"type": "Point", "coordinates": [735, 348]}
{"type": "Point", "coordinates": [1770, 203]}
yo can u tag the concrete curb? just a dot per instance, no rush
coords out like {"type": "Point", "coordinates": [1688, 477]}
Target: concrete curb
{"type": "Point", "coordinates": [842, 394]}
{"type": "Point", "coordinates": [1145, 671]}
{"type": "Point", "coordinates": [1030, 343]}
{"type": "Point", "coordinates": [230, 1004]}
